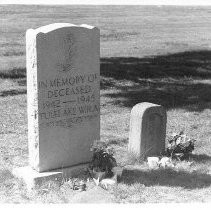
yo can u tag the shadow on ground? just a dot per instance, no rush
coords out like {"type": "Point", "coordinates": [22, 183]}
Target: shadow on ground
{"type": "Point", "coordinates": [13, 92]}
{"type": "Point", "coordinates": [185, 64]}
{"type": "Point", "coordinates": [166, 177]}
{"type": "Point", "coordinates": [15, 73]}
{"type": "Point", "coordinates": [175, 80]}
{"type": "Point", "coordinates": [200, 158]}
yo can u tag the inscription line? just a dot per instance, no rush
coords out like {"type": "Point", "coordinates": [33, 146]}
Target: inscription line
{"type": "Point", "coordinates": [69, 101]}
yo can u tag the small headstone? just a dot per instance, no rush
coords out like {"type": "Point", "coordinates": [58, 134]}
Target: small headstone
{"type": "Point", "coordinates": [63, 94]}
{"type": "Point", "coordinates": [147, 130]}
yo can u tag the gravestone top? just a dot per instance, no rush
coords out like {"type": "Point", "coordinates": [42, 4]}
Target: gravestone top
{"type": "Point", "coordinates": [63, 86]}
{"type": "Point", "coordinates": [54, 26]}
{"type": "Point", "coordinates": [143, 108]}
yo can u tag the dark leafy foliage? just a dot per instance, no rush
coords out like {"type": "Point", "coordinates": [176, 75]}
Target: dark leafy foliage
{"type": "Point", "coordinates": [180, 146]}
{"type": "Point", "coordinates": [103, 159]}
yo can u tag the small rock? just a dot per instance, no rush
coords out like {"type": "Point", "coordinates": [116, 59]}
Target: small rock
{"type": "Point", "coordinates": [166, 162]}
{"type": "Point", "coordinates": [153, 162]}
{"type": "Point", "coordinates": [105, 182]}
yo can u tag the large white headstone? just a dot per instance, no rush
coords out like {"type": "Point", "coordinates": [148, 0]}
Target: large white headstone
{"type": "Point", "coordinates": [63, 93]}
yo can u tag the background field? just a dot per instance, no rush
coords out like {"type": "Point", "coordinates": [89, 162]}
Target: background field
{"type": "Point", "coordinates": [135, 31]}
{"type": "Point", "coordinates": [148, 53]}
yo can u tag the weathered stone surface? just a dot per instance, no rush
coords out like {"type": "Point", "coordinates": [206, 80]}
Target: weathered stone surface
{"type": "Point", "coordinates": [147, 130]}
{"type": "Point", "coordinates": [63, 94]}
{"type": "Point", "coordinates": [33, 179]}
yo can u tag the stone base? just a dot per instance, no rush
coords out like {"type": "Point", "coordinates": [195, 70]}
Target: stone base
{"type": "Point", "coordinates": [33, 178]}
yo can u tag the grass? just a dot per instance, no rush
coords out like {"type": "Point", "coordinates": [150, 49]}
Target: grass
{"type": "Point", "coordinates": [127, 31]}
{"type": "Point", "coordinates": [160, 55]}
